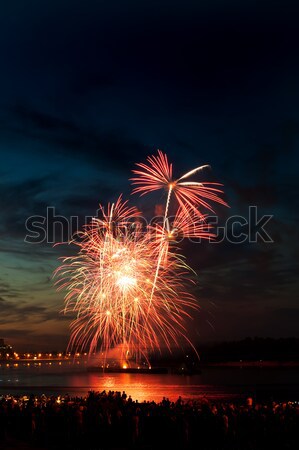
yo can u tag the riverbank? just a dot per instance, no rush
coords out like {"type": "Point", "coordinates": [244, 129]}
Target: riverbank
{"type": "Point", "coordinates": [263, 364]}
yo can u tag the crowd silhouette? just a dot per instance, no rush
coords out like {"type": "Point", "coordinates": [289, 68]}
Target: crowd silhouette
{"type": "Point", "coordinates": [112, 420]}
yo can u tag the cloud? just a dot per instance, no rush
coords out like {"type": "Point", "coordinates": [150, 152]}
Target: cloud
{"type": "Point", "coordinates": [111, 147]}
{"type": "Point", "coordinates": [83, 102]}
{"type": "Point", "coordinates": [243, 275]}
{"type": "Point", "coordinates": [22, 311]}
{"type": "Point", "coordinates": [39, 120]}
{"type": "Point", "coordinates": [25, 339]}
{"type": "Point", "coordinates": [19, 200]}
{"type": "Point", "coordinates": [9, 290]}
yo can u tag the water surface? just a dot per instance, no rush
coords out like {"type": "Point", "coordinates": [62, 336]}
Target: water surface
{"type": "Point", "coordinates": [215, 383]}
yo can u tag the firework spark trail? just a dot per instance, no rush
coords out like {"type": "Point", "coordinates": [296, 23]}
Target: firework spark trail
{"type": "Point", "coordinates": [190, 195]}
{"type": "Point", "coordinates": [126, 284]}
{"type": "Point", "coordinates": [118, 310]}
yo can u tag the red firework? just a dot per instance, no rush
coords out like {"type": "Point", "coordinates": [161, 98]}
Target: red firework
{"type": "Point", "coordinates": [126, 284]}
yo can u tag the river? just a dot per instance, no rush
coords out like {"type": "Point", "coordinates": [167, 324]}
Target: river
{"type": "Point", "coordinates": [213, 382]}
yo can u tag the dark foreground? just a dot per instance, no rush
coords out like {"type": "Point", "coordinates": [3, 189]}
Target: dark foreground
{"type": "Point", "coordinates": [114, 421]}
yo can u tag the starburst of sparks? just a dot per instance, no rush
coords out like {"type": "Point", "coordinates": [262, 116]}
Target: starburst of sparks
{"type": "Point", "coordinates": [126, 284]}
{"type": "Point", "coordinates": [192, 196]}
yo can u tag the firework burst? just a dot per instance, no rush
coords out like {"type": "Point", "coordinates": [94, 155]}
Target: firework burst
{"type": "Point", "coordinates": [126, 284]}
{"type": "Point", "coordinates": [192, 196]}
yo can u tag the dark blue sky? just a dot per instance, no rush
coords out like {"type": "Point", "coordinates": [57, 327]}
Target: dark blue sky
{"type": "Point", "coordinates": [89, 88]}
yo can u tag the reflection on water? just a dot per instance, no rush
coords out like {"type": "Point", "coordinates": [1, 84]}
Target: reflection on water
{"type": "Point", "coordinates": [73, 378]}
{"type": "Point", "coordinates": [151, 387]}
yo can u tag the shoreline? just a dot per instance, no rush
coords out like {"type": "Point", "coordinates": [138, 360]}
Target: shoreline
{"type": "Point", "coordinates": [261, 364]}
{"type": "Point", "coordinates": [157, 367]}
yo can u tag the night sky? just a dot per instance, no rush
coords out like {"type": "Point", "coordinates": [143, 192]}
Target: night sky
{"type": "Point", "coordinates": [89, 88]}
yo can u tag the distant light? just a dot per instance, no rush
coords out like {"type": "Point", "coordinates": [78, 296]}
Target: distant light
{"type": "Point", "coordinates": [125, 366]}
